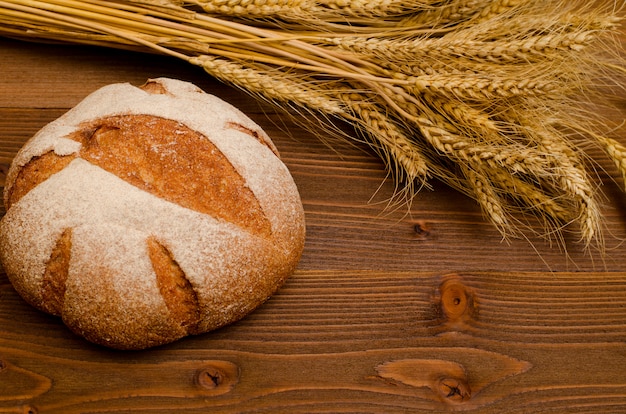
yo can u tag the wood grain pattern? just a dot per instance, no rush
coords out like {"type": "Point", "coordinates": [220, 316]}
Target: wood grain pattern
{"type": "Point", "coordinates": [368, 341]}
{"type": "Point", "coordinates": [390, 311]}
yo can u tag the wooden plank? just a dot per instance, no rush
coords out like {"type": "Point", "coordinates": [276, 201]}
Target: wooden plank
{"type": "Point", "coordinates": [365, 340]}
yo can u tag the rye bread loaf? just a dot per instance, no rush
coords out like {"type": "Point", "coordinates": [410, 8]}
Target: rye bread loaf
{"type": "Point", "coordinates": [146, 214]}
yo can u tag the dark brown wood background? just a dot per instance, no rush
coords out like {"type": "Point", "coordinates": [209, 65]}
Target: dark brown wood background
{"type": "Point", "coordinates": [424, 309]}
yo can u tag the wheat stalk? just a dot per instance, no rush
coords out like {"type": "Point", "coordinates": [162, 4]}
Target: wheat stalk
{"type": "Point", "coordinates": [454, 48]}
{"type": "Point", "coordinates": [249, 8]}
{"type": "Point", "coordinates": [481, 94]}
{"type": "Point", "coordinates": [272, 88]}
{"type": "Point", "coordinates": [448, 14]}
{"type": "Point", "coordinates": [617, 152]}
{"type": "Point", "coordinates": [389, 139]}
{"type": "Point", "coordinates": [371, 8]}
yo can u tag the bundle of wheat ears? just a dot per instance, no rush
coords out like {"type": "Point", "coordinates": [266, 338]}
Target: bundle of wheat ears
{"type": "Point", "coordinates": [493, 97]}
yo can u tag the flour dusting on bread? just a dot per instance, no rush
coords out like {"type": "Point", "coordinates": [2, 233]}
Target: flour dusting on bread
{"type": "Point", "coordinates": [177, 212]}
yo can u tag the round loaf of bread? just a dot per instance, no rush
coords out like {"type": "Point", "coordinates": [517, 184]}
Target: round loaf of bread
{"type": "Point", "coordinates": [146, 214]}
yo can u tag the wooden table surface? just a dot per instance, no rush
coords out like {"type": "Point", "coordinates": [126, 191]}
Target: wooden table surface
{"type": "Point", "coordinates": [424, 309]}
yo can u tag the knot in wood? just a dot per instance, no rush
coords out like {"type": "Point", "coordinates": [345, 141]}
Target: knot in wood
{"type": "Point", "coordinates": [217, 377]}
{"type": "Point", "coordinates": [209, 378]}
{"type": "Point", "coordinates": [456, 300]}
{"type": "Point", "coordinates": [3, 365]}
{"type": "Point", "coordinates": [454, 390]}
{"type": "Point", "coordinates": [421, 230]}
{"type": "Point", "coordinates": [29, 409]}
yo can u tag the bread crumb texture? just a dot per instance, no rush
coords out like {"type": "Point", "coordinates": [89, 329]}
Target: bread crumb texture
{"type": "Point", "coordinates": [146, 214]}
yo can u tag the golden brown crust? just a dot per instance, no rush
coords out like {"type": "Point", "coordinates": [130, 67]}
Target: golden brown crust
{"type": "Point", "coordinates": [55, 277]}
{"type": "Point", "coordinates": [180, 297]}
{"type": "Point", "coordinates": [169, 160]}
{"type": "Point", "coordinates": [162, 157]}
{"type": "Point", "coordinates": [38, 170]}
{"type": "Point", "coordinates": [154, 87]}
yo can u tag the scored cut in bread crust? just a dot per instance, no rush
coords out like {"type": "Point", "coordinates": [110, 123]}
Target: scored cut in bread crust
{"type": "Point", "coordinates": [177, 213]}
